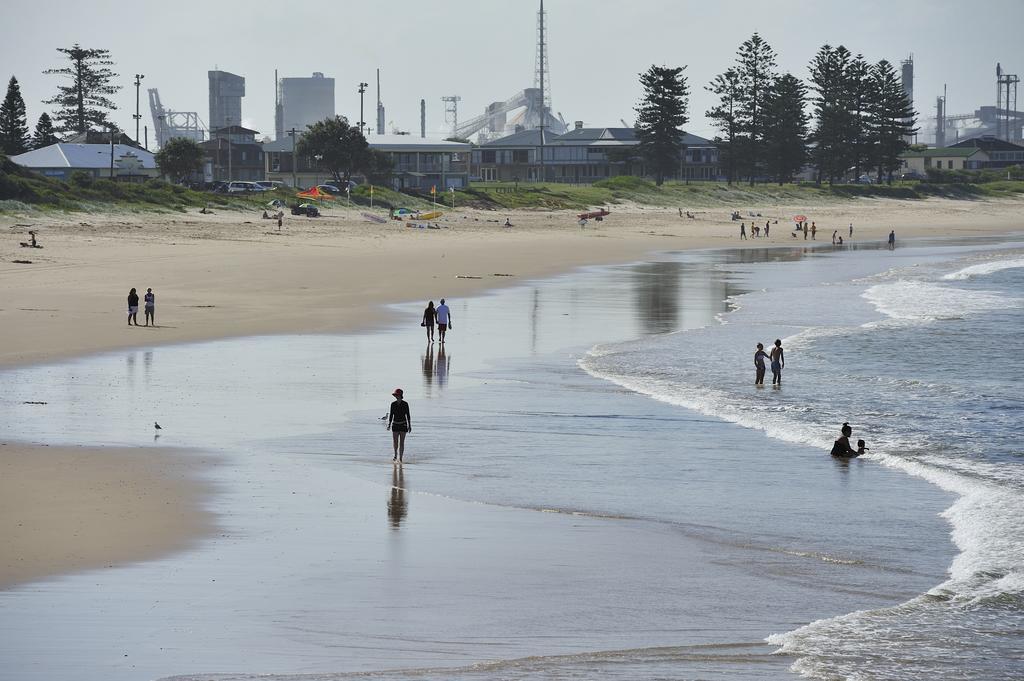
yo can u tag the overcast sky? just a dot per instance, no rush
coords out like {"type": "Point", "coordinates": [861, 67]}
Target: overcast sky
{"type": "Point", "coordinates": [483, 50]}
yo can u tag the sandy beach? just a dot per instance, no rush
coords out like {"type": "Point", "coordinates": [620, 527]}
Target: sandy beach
{"type": "Point", "coordinates": [66, 509]}
{"type": "Point", "coordinates": [232, 274]}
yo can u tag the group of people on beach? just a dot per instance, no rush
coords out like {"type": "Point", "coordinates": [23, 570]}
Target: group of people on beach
{"type": "Point", "coordinates": [133, 307]}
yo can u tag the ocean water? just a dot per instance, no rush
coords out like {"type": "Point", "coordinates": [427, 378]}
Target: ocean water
{"type": "Point", "coordinates": [923, 359]}
{"type": "Point", "coordinates": [593, 489]}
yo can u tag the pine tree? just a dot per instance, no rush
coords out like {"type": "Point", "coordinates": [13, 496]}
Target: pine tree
{"type": "Point", "coordinates": [727, 87]}
{"type": "Point", "coordinates": [44, 135]}
{"type": "Point", "coordinates": [660, 115]}
{"type": "Point", "coordinates": [891, 119]}
{"type": "Point", "coordinates": [829, 71]}
{"type": "Point", "coordinates": [756, 71]}
{"type": "Point", "coordinates": [83, 104]}
{"type": "Point", "coordinates": [859, 92]}
{"type": "Point", "coordinates": [785, 128]}
{"type": "Point", "coordinates": [13, 122]}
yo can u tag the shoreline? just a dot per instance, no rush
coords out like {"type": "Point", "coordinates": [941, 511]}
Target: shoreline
{"type": "Point", "coordinates": [536, 252]}
{"type": "Point", "coordinates": [216, 277]}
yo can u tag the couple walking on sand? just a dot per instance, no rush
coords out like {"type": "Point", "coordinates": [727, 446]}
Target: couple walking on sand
{"type": "Point", "coordinates": [778, 361]}
{"type": "Point", "coordinates": [133, 307]}
{"type": "Point", "coordinates": [441, 316]}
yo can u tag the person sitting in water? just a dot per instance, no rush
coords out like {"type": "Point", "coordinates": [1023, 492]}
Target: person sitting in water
{"type": "Point", "coordinates": [842, 447]}
{"type": "Point", "coordinates": [861, 447]}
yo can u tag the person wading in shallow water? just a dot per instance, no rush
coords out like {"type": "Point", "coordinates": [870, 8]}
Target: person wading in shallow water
{"type": "Point", "coordinates": [759, 357]}
{"type": "Point", "coordinates": [842, 446]}
{"type": "Point", "coordinates": [399, 423]}
{"type": "Point", "coordinates": [778, 363]}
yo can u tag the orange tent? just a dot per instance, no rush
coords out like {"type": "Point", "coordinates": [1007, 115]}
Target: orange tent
{"type": "Point", "coordinates": [315, 193]}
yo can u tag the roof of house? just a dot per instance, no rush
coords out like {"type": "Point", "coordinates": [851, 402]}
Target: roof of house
{"type": "Point", "coordinates": [67, 155]}
{"type": "Point", "coordinates": [953, 152]}
{"type": "Point", "coordinates": [587, 136]}
{"type": "Point", "coordinates": [988, 143]}
{"type": "Point", "coordinates": [399, 143]}
{"type": "Point", "coordinates": [234, 130]}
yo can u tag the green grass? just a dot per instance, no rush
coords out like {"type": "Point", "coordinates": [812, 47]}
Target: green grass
{"type": "Point", "coordinates": [624, 189]}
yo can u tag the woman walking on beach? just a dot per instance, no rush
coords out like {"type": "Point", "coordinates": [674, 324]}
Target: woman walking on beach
{"type": "Point", "coordinates": [429, 317]}
{"type": "Point", "coordinates": [759, 357]}
{"type": "Point", "coordinates": [399, 423]}
{"type": "Point", "coordinates": [133, 308]}
{"type": "Point", "coordinates": [778, 362]}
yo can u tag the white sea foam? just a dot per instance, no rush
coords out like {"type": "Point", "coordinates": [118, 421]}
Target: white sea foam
{"type": "Point", "coordinates": [984, 268]}
{"type": "Point", "coordinates": [925, 301]}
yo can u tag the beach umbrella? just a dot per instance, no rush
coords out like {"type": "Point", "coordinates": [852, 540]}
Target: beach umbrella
{"type": "Point", "coordinates": [315, 193]}
{"type": "Point", "coordinates": [799, 218]}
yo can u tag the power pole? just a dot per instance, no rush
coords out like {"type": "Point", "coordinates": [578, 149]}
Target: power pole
{"type": "Point", "coordinates": [230, 172]}
{"type": "Point", "coordinates": [543, 108]}
{"type": "Point", "coordinates": [137, 116]}
{"type": "Point", "coordinates": [362, 89]}
{"type": "Point", "coordinates": [295, 158]}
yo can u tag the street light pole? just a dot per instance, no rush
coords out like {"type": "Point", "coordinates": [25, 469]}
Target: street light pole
{"type": "Point", "coordinates": [362, 89]}
{"type": "Point", "coordinates": [295, 158]}
{"type": "Point", "coordinates": [137, 116]}
{"type": "Point", "coordinates": [230, 172]}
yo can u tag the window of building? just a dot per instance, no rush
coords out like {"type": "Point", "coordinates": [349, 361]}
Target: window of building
{"type": "Point", "coordinates": [489, 174]}
{"type": "Point", "coordinates": [487, 156]}
{"type": "Point", "coordinates": [243, 155]}
{"type": "Point", "coordinates": [519, 156]}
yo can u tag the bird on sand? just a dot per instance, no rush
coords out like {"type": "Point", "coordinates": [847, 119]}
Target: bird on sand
{"type": "Point", "coordinates": [157, 425]}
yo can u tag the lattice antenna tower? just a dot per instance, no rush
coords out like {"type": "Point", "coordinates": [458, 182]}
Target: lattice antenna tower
{"type": "Point", "coordinates": [541, 73]}
{"type": "Point", "coordinates": [451, 111]}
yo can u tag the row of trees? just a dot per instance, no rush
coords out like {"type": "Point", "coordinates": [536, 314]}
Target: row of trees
{"type": "Point", "coordinates": [862, 117]}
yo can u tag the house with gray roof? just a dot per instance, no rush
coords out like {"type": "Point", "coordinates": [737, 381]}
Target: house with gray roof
{"type": "Point", "coordinates": [60, 160]}
{"type": "Point", "coordinates": [583, 155]}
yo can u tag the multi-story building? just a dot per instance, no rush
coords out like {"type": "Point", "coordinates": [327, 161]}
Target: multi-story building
{"type": "Point", "coordinates": [226, 92]}
{"type": "Point", "coordinates": [583, 155]}
{"type": "Point", "coordinates": [232, 153]}
{"type": "Point", "coordinates": [302, 102]}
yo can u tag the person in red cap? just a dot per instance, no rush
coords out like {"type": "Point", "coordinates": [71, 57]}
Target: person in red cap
{"type": "Point", "coordinates": [399, 423]}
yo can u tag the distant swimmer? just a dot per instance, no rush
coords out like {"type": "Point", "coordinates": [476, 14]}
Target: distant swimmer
{"type": "Point", "coordinates": [861, 447]}
{"type": "Point", "coordinates": [759, 357]}
{"type": "Point", "coordinates": [842, 448]}
{"type": "Point", "coordinates": [778, 363]}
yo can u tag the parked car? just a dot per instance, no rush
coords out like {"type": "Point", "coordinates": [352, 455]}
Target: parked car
{"type": "Point", "coordinates": [865, 179]}
{"type": "Point", "coordinates": [912, 176]}
{"type": "Point", "coordinates": [271, 185]}
{"type": "Point", "coordinates": [240, 187]}
{"type": "Point", "coordinates": [329, 188]}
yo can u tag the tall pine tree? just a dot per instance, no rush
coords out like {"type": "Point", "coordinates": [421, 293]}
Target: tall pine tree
{"type": "Point", "coordinates": [785, 128]}
{"type": "Point", "coordinates": [660, 117]}
{"type": "Point", "coordinates": [727, 87]}
{"type": "Point", "coordinates": [859, 93]}
{"type": "Point", "coordinates": [829, 72]}
{"type": "Point", "coordinates": [13, 122]}
{"type": "Point", "coordinates": [891, 119]}
{"type": "Point", "coordinates": [756, 70]}
{"type": "Point", "coordinates": [85, 102]}
{"type": "Point", "coordinates": [44, 135]}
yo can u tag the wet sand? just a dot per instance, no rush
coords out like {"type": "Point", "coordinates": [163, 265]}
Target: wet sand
{"type": "Point", "coordinates": [68, 509]}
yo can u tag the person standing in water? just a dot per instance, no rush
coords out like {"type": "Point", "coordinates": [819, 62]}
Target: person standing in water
{"type": "Point", "coordinates": [429, 318]}
{"type": "Point", "coordinates": [759, 357]}
{"type": "Point", "coordinates": [133, 308]}
{"type": "Point", "coordinates": [778, 363]}
{"type": "Point", "coordinates": [150, 308]}
{"type": "Point", "coordinates": [399, 423]}
{"type": "Point", "coordinates": [444, 320]}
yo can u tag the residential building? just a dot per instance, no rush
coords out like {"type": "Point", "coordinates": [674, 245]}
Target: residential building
{"type": "Point", "coordinates": [232, 153]}
{"type": "Point", "coordinates": [60, 160]}
{"type": "Point", "coordinates": [302, 102]}
{"type": "Point", "coordinates": [417, 162]}
{"type": "Point", "coordinates": [943, 158]}
{"type": "Point", "coordinates": [1000, 153]}
{"type": "Point", "coordinates": [226, 92]}
{"type": "Point", "coordinates": [583, 155]}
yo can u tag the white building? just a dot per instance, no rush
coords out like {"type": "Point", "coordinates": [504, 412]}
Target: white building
{"type": "Point", "coordinates": [302, 102]}
{"type": "Point", "coordinates": [60, 160]}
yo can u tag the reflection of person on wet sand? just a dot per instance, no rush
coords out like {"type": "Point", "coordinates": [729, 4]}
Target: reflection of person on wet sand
{"type": "Point", "coordinates": [428, 365]}
{"type": "Point", "coordinates": [398, 507]}
{"type": "Point", "coordinates": [443, 364]}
